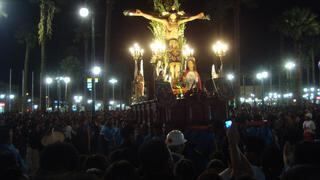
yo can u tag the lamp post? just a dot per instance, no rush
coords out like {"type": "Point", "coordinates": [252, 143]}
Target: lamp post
{"type": "Point", "coordinates": [66, 81]}
{"type": "Point", "coordinates": [261, 76]}
{"type": "Point", "coordinates": [289, 66]}
{"type": "Point", "coordinates": [84, 13]}
{"type": "Point", "coordinates": [220, 49]}
{"type": "Point", "coordinates": [48, 82]}
{"type": "Point", "coordinates": [137, 53]}
{"type": "Point", "coordinates": [95, 72]}
{"type": "Point", "coordinates": [113, 81]}
{"type": "Point", "coordinates": [59, 79]}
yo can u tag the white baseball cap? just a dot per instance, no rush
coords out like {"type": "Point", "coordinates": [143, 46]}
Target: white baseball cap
{"type": "Point", "coordinates": [175, 138]}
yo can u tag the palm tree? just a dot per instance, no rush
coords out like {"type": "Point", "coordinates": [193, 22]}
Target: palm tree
{"type": "Point", "coordinates": [26, 35]}
{"type": "Point", "coordinates": [47, 12]}
{"type": "Point", "coordinates": [298, 24]}
{"type": "Point", "coordinates": [48, 8]}
{"type": "Point", "coordinates": [310, 47]}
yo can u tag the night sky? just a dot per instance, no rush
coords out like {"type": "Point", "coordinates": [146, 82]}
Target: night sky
{"type": "Point", "coordinates": [259, 43]}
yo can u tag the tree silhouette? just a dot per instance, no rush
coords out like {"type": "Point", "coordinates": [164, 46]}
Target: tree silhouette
{"type": "Point", "coordinates": [26, 36]}
{"type": "Point", "coordinates": [298, 24]}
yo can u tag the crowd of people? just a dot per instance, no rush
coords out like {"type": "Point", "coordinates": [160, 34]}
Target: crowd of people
{"type": "Point", "coordinates": [271, 142]}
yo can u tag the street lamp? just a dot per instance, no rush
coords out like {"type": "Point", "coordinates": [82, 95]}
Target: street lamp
{"type": "Point", "coordinates": [66, 81]}
{"type": "Point", "coordinates": [113, 81]}
{"type": "Point", "coordinates": [95, 72]}
{"type": "Point", "coordinates": [289, 66]}
{"type": "Point", "coordinates": [220, 49]}
{"type": "Point", "coordinates": [11, 96]}
{"type": "Point", "coordinates": [49, 81]}
{"type": "Point", "coordinates": [261, 76]}
{"type": "Point", "coordinates": [84, 12]}
{"type": "Point", "coordinates": [230, 77]}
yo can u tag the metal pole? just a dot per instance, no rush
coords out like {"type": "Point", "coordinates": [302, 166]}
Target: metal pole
{"type": "Point", "coordinates": [93, 45]}
{"type": "Point", "coordinates": [113, 91]}
{"type": "Point", "coordinates": [93, 54]}
{"type": "Point", "coordinates": [59, 94]}
{"type": "Point", "coordinates": [22, 93]}
{"type": "Point", "coordinates": [244, 85]}
{"type": "Point", "coordinates": [48, 95]}
{"type": "Point", "coordinates": [93, 97]}
{"type": "Point", "coordinates": [262, 87]}
{"type": "Point", "coordinates": [10, 81]}
{"type": "Point", "coordinates": [32, 91]}
{"type": "Point", "coordinates": [290, 80]}
{"type": "Point", "coordinates": [66, 94]}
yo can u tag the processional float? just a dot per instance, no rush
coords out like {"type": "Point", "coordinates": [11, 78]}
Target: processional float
{"type": "Point", "coordinates": [174, 63]}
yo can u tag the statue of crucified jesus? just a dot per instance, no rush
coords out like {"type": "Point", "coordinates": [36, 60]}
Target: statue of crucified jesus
{"type": "Point", "coordinates": [171, 24]}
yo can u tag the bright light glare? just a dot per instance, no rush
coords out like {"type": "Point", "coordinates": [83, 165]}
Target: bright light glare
{"type": "Point", "coordinates": [11, 96]}
{"type": "Point", "coordinates": [156, 47]}
{"type": "Point", "coordinates": [77, 99]}
{"type": "Point", "coordinates": [220, 48]}
{"type": "Point", "coordinates": [136, 51]}
{"type": "Point", "coordinates": [111, 102]}
{"type": "Point", "coordinates": [230, 77]}
{"type": "Point", "coordinates": [290, 65]}
{"type": "Point", "coordinates": [113, 81]}
{"type": "Point", "coordinates": [84, 12]}
{"type": "Point", "coordinates": [96, 70]}
{"type": "Point", "coordinates": [262, 75]}
{"type": "Point", "coordinates": [2, 96]}
{"type": "Point", "coordinates": [187, 51]}
{"type": "Point", "coordinates": [66, 79]}
{"type": "Point", "coordinates": [49, 80]}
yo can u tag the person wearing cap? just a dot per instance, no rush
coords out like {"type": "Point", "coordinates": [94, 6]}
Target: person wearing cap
{"type": "Point", "coordinates": [176, 143]}
{"type": "Point", "coordinates": [309, 127]}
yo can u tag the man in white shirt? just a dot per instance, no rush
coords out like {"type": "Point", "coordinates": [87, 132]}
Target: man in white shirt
{"type": "Point", "coordinates": [309, 127]}
{"type": "Point", "coordinates": [68, 132]}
